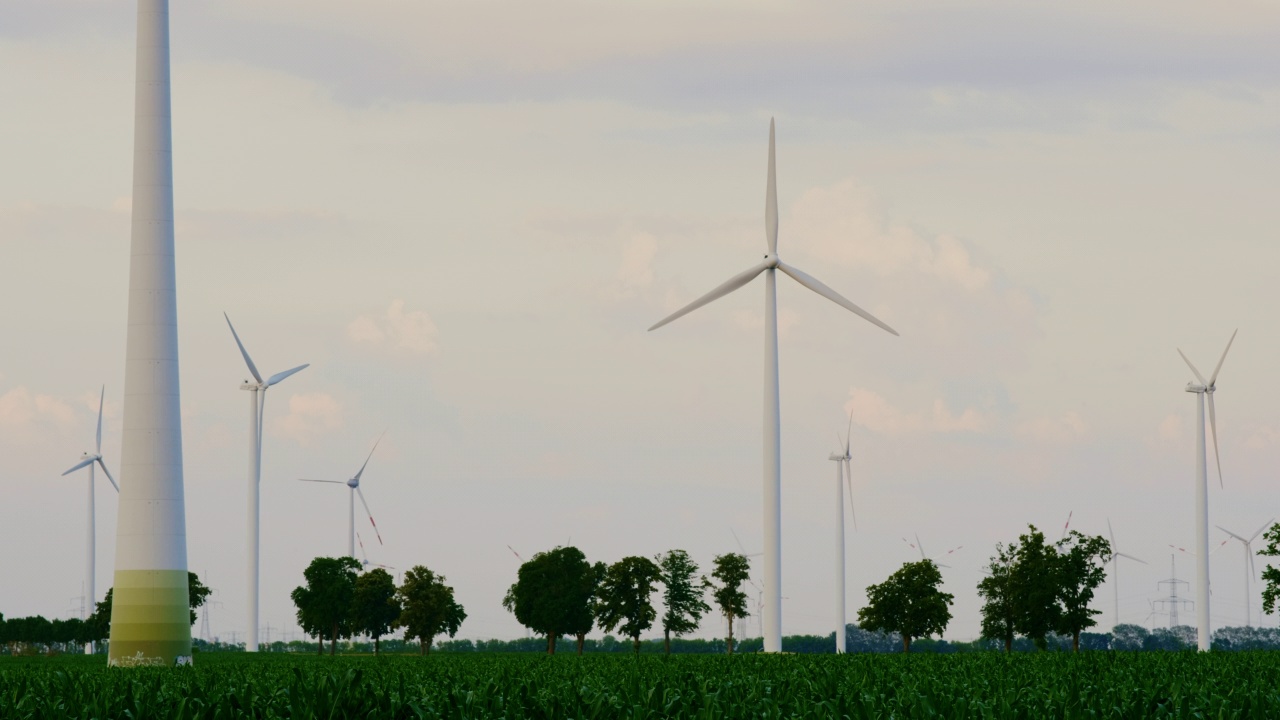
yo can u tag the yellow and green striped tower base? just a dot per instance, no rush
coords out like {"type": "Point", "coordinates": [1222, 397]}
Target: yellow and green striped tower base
{"type": "Point", "coordinates": [150, 620]}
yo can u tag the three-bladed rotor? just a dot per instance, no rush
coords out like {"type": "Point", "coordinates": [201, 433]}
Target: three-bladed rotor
{"type": "Point", "coordinates": [1207, 388]}
{"type": "Point", "coordinates": [86, 460]}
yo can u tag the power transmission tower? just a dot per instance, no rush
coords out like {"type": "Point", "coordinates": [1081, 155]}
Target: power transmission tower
{"type": "Point", "coordinates": [1173, 602]}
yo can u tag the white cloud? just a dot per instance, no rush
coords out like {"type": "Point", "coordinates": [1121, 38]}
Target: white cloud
{"type": "Point", "coordinates": [310, 416]}
{"type": "Point", "coordinates": [24, 413]}
{"type": "Point", "coordinates": [1060, 430]}
{"type": "Point", "coordinates": [636, 271]}
{"type": "Point", "coordinates": [870, 410]}
{"type": "Point", "coordinates": [1170, 429]}
{"type": "Point", "coordinates": [842, 224]}
{"type": "Point", "coordinates": [413, 331]}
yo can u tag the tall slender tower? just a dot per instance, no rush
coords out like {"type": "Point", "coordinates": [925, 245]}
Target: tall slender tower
{"type": "Point", "coordinates": [150, 624]}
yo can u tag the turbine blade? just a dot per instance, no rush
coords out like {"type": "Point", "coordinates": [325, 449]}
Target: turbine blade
{"type": "Point", "coordinates": [1214, 378]}
{"type": "Point", "coordinates": [1194, 371]}
{"type": "Point", "coordinates": [920, 547]}
{"type": "Point", "coordinates": [1067, 524]}
{"type": "Point", "coordinates": [725, 288]}
{"type": "Point", "coordinates": [815, 285]}
{"type": "Point", "coordinates": [1111, 533]}
{"type": "Point", "coordinates": [335, 482]}
{"type": "Point", "coordinates": [1213, 428]}
{"type": "Point", "coordinates": [738, 540]}
{"type": "Point", "coordinates": [848, 481]}
{"type": "Point", "coordinates": [513, 552]}
{"type": "Point", "coordinates": [1231, 533]}
{"type": "Point", "coordinates": [108, 472]}
{"type": "Point", "coordinates": [1265, 525]}
{"type": "Point", "coordinates": [366, 512]}
{"type": "Point", "coordinates": [771, 199]}
{"type": "Point", "coordinates": [1127, 555]}
{"type": "Point", "coordinates": [282, 375]}
{"type": "Point", "coordinates": [366, 460]}
{"type": "Point", "coordinates": [82, 464]}
{"type": "Point", "coordinates": [101, 396]}
{"type": "Point", "coordinates": [848, 433]}
{"type": "Point", "coordinates": [253, 369]}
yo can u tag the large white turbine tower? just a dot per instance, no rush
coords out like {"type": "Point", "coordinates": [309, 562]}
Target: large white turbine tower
{"type": "Point", "coordinates": [150, 621]}
{"type": "Point", "coordinates": [257, 403]}
{"type": "Point", "coordinates": [841, 460]}
{"type": "Point", "coordinates": [772, 420]}
{"type": "Point", "coordinates": [1202, 490]}
{"type": "Point", "coordinates": [1115, 570]}
{"type": "Point", "coordinates": [1248, 565]}
{"type": "Point", "coordinates": [91, 532]}
{"type": "Point", "coordinates": [354, 484]}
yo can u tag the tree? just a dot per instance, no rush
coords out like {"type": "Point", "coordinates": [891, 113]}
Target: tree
{"type": "Point", "coordinates": [374, 607]}
{"type": "Point", "coordinates": [580, 623]}
{"type": "Point", "coordinates": [682, 595]}
{"type": "Point", "coordinates": [427, 608]}
{"type": "Point", "coordinates": [909, 603]}
{"type": "Point", "coordinates": [731, 570]}
{"type": "Point", "coordinates": [622, 600]}
{"type": "Point", "coordinates": [552, 594]}
{"type": "Point", "coordinates": [998, 614]}
{"type": "Point", "coordinates": [1080, 569]}
{"type": "Point", "coordinates": [324, 603]}
{"type": "Point", "coordinates": [1271, 574]}
{"type": "Point", "coordinates": [1034, 588]}
{"type": "Point", "coordinates": [197, 593]}
{"type": "Point", "coordinates": [97, 626]}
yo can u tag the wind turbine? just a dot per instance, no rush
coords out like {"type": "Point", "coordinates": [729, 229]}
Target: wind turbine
{"type": "Point", "coordinates": [257, 403]}
{"type": "Point", "coordinates": [1248, 563]}
{"type": "Point", "coordinates": [841, 460]}
{"type": "Point", "coordinates": [1115, 572]}
{"type": "Point", "coordinates": [919, 546]}
{"type": "Point", "coordinates": [772, 421]}
{"type": "Point", "coordinates": [1202, 489]}
{"type": "Point", "coordinates": [354, 484]}
{"type": "Point", "coordinates": [742, 622]}
{"type": "Point", "coordinates": [91, 553]}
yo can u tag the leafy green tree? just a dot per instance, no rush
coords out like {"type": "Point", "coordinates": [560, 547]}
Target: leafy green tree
{"type": "Point", "coordinates": [552, 594]}
{"type": "Point", "coordinates": [909, 603]}
{"type": "Point", "coordinates": [999, 619]}
{"type": "Point", "coordinates": [97, 626]}
{"type": "Point", "coordinates": [427, 608]}
{"type": "Point", "coordinates": [580, 623]}
{"type": "Point", "coordinates": [1081, 568]}
{"type": "Point", "coordinates": [1271, 574]}
{"type": "Point", "coordinates": [374, 606]}
{"type": "Point", "coordinates": [731, 569]}
{"type": "Point", "coordinates": [197, 594]}
{"type": "Point", "coordinates": [1034, 580]}
{"type": "Point", "coordinates": [324, 603]}
{"type": "Point", "coordinates": [622, 601]}
{"type": "Point", "coordinates": [682, 595]}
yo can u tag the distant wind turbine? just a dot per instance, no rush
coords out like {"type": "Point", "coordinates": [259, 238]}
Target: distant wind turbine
{"type": "Point", "coordinates": [354, 484]}
{"type": "Point", "coordinates": [1248, 564]}
{"type": "Point", "coordinates": [772, 421]}
{"type": "Point", "coordinates": [91, 532]}
{"type": "Point", "coordinates": [1204, 388]}
{"type": "Point", "coordinates": [257, 404]}
{"type": "Point", "coordinates": [1115, 569]}
{"type": "Point", "coordinates": [841, 460]}
{"type": "Point", "coordinates": [919, 546]}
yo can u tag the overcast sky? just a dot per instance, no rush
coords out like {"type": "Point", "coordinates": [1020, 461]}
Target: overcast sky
{"type": "Point", "coordinates": [464, 216]}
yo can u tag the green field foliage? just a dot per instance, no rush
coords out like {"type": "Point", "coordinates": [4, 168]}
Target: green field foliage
{"type": "Point", "coordinates": [973, 685]}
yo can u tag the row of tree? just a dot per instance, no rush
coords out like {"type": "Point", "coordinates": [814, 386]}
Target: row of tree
{"type": "Point", "coordinates": [340, 602]}
{"type": "Point", "coordinates": [559, 593]}
{"type": "Point", "coordinates": [31, 633]}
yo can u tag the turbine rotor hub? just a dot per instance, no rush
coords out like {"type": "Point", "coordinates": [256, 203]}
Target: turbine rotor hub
{"type": "Point", "coordinates": [772, 259]}
{"type": "Point", "coordinates": [353, 483]}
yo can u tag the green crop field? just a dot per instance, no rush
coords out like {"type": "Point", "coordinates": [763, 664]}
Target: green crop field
{"type": "Point", "coordinates": [979, 685]}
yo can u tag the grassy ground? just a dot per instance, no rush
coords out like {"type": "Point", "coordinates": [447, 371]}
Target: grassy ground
{"type": "Point", "coordinates": [979, 685]}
